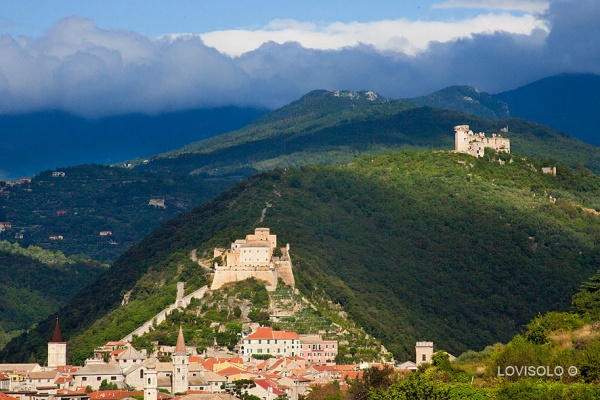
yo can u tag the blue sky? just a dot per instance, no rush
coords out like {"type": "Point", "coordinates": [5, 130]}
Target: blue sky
{"type": "Point", "coordinates": [109, 57]}
{"type": "Point", "coordinates": [155, 18]}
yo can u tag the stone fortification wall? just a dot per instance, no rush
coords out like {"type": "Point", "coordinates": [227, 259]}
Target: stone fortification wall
{"type": "Point", "coordinates": [225, 275]}
{"type": "Point", "coordinates": [161, 316]}
{"type": "Point", "coordinates": [284, 271]}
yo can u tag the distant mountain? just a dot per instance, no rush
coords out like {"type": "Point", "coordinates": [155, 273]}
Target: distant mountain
{"type": "Point", "coordinates": [568, 103]}
{"type": "Point", "coordinates": [30, 143]}
{"type": "Point", "coordinates": [466, 99]}
{"type": "Point", "coordinates": [427, 245]}
{"type": "Point", "coordinates": [329, 128]}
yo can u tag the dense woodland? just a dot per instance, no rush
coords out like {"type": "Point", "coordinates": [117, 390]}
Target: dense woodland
{"type": "Point", "coordinates": [36, 283]}
{"type": "Point", "coordinates": [566, 344]}
{"type": "Point", "coordinates": [90, 199]}
{"type": "Point", "coordinates": [413, 245]}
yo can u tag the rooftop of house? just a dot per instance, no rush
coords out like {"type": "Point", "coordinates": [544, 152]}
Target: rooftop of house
{"type": "Point", "coordinates": [269, 333]}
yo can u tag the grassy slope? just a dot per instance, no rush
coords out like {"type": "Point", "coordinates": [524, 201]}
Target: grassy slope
{"type": "Point", "coordinates": [413, 245]}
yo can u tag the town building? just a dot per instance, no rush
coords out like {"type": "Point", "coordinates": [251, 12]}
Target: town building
{"type": "Point", "coordinates": [96, 371]}
{"type": "Point", "coordinates": [318, 351]}
{"type": "Point", "coordinates": [267, 341]}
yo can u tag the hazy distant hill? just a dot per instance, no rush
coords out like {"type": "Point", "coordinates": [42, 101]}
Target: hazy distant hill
{"type": "Point", "coordinates": [465, 99]}
{"type": "Point", "coordinates": [34, 142]}
{"type": "Point", "coordinates": [568, 103]}
{"type": "Point", "coordinates": [414, 246]}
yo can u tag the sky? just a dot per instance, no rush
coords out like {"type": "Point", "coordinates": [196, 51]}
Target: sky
{"type": "Point", "coordinates": [96, 58]}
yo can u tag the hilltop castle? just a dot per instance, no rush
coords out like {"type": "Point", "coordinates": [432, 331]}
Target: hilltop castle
{"type": "Point", "coordinates": [465, 141]}
{"type": "Point", "coordinates": [256, 256]}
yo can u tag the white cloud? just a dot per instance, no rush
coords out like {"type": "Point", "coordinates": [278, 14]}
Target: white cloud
{"type": "Point", "coordinates": [529, 6]}
{"type": "Point", "coordinates": [400, 35]}
{"type": "Point", "coordinates": [78, 67]}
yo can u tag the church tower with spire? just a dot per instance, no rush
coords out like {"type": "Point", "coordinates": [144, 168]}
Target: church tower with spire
{"type": "Point", "coordinates": [57, 349]}
{"type": "Point", "coordinates": [181, 361]}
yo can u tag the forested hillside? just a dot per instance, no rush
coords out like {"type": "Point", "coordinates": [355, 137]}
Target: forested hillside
{"type": "Point", "coordinates": [36, 283]}
{"type": "Point", "coordinates": [413, 245]}
{"type": "Point", "coordinates": [96, 210]}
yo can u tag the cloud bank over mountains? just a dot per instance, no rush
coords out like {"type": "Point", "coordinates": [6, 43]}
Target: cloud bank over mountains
{"type": "Point", "coordinates": [78, 67]}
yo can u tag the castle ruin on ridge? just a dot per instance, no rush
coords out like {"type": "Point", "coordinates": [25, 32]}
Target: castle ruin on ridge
{"type": "Point", "coordinates": [258, 257]}
{"type": "Point", "coordinates": [465, 141]}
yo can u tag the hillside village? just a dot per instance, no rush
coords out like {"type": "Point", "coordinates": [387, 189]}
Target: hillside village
{"type": "Point", "coordinates": [118, 370]}
{"type": "Point", "coordinates": [274, 363]}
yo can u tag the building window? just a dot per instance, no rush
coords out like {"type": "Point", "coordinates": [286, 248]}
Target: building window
{"type": "Point", "coordinates": [113, 378]}
{"type": "Point", "coordinates": [83, 378]}
{"type": "Point", "coordinates": [98, 378]}
{"type": "Point", "coordinates": [423, 357]}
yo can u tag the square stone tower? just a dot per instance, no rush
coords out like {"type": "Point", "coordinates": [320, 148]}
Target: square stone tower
{"type": "Point", "coordinates": [424, 351]}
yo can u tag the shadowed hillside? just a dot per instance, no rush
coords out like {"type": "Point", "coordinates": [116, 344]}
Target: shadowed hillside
{"type": "Point", "coordinates": [426, 245]}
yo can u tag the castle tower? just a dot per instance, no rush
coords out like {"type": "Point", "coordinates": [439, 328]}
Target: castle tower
{"type": "Point", "coordinates": [461, 138]}
{"type": "Point", "coordinates": [57, 349]}
{"type": "Point", "coordinates": [150, 382]}
{"type": "Point", "coordinates": [179, 380]}
{"type": "Point", "coordinates": [424, 351]}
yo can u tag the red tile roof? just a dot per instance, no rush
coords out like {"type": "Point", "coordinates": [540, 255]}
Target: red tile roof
{"type": "Point", "coordinates": [266, 384]}
{"type": "Point", "coordinates": [231, 371]}
{"type": "Point", "coordinates": [269, 333]}
{"type": "Point", "coordinates": [113, 394]}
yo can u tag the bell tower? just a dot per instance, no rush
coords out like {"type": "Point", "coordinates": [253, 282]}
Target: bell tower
{"type": "Point", "coordinates": [181, 362]}
{"type": "Point", "coordinates": [57, 349]}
